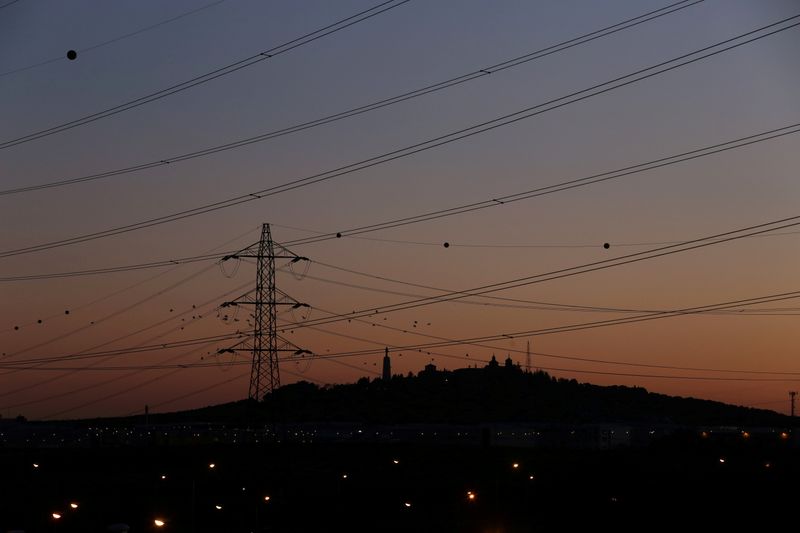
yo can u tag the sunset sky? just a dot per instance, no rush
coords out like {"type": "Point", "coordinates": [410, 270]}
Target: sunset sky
{"type": "Point", "coordinates": [127, 50]}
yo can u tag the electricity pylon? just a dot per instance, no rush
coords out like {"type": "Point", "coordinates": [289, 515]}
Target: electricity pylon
{"type": "Point", "coordinates": [265, 343]}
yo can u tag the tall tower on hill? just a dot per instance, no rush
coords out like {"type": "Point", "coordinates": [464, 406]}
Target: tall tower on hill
{"type": "Point", "coordinates": [387, 366]}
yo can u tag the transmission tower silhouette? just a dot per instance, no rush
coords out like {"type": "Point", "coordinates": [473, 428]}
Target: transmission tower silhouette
{"type": "Point", "coordinates": [265, 343]}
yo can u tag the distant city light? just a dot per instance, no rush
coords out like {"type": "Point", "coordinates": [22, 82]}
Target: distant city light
{"type": "Point", "coordinates": [218, 507]}
{"type": "Point", "coordinates": [74, 505]}
{"type": "Point", "coordinates": [745, 434]}
{"type": "Point", "coordinates": [266, 498]}
{"type": "Point", "coordinates": [470, 495]}
{"type": "Point", "coordinates": [158, 522]}
{"type": "Point", "coordinates": [767, 465]}
{"type": "Point", "coordinates": [784, 435]}
{"type": "Point", "coordinates": [395, 461]}
{"type": "Point", "coordinates": [344, 476]}
{"type": "Point", "coordinates": [530, 477]}
{"type": "Point", "coordinates": [163, 476]}
{"type": "Point", "coordinates": [212, 465]}
{"type": "Point", "coordinates": [407, 504]}
{"type": "Point", "coordinates": [721, 459]}
{"type": "Point", "coordinates": [36, 465]}
{"type": "Point", "coordinates": [56, 515]}
{"type": "Point", "coordinates": [515, 465]}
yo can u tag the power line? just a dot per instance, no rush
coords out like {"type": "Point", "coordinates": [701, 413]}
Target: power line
{"type": "Point", "coordinates": [219, 384]}
{"type": "Point", "coordinates": [506, 336]}
{"type": "Point", "coordinates": [214, 74]}
{"type": "Point", "coordinates": [109, 396]}
{"type": "Point", "coordinates": [95, 385]}
{"type": "Point", "coordinates": [72, 370]}
{"type": "Point", "coordinates": [7, 4]}
{"type": "Point", "coordinates": [457, 80]}
{"type": "Point", "coordinates": [112, 315]}
{"type": "Point", "coordinates": [558, 187]}
{"type": "Point", "coordinates": [129, 287]}
{"type": "Point", "coordinates": [521, 352]}
{"type": "Point", "coordinates": [219, 255]}
{"type": "Point", "coordinates": [574, 370]}
{"type": "Point", "coordinates": [86, 353]}
{"type": "Point", "coordinates": [452, 244]}
{"type": "Point", "coordinates": [663, 376]}
{"type": "Point", "coordinates": [122, 268]}
{"type": "Point", "coordinates": [127, 335]}
{"type": "Point", "coordinates": [207, 256]}
{"type": "Point", "coordinates": [436, 142]}
{"type": "Point", "coordinates": [119, 378]}
{"type": "Point", "coordinates": [591, 325]}
{"type": "Point", "coordinates": [590, 267]}
{"type": "Point", "coordinates": [200, 390]}
{"type": "Point", "coordinates": [613, 322]}
{"type": "Point", "coordinates": [595, 266]}
{"type": "Point", "coordinates": [518, 303]}
{"type": "Point", "coordinates": [110, 41]}
{"type": "Point", "coordinates": [25, 364]}
{"type": "Point", "coordinates": [447, 341]}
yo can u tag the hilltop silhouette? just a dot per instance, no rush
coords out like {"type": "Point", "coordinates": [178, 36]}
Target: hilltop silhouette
{"type": "Point", "coordinates": [494, 393]}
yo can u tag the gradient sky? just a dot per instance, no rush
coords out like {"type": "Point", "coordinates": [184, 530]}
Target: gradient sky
{"type": "Point", "coordinates": [741, 92]}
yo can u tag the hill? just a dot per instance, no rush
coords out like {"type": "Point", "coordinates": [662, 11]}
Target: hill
{"type": "Point", "coordinates": [495, 393]}
{"type": "Point", "coordinates": [500, 394]}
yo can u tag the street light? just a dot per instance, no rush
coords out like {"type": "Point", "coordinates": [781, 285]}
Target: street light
{"type": "Point", "coordinates": [159, 523]}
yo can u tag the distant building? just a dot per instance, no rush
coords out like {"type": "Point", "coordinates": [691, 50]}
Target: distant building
{"type": "Point", "coordinates": [493, 363]}
{"type": "Point", "coordinates": [387, 366]}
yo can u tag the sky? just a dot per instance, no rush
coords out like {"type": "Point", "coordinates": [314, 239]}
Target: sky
{"type": "Point", "coordinates": [127, 50]}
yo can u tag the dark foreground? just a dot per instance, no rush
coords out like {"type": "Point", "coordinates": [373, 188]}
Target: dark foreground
{"type": "Point", "coordinates": [686, 480]}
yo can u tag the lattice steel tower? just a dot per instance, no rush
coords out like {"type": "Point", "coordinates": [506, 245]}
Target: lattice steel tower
{"type": "Point", "coordinates": [264, 344]}
{"type": "Point", "coordinates": [264, 374]}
